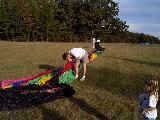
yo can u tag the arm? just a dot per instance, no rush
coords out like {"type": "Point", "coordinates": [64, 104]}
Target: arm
{"type": "Point", "coordinates": [152, 104]}
{"type": "Point", "coordinates": [149, 109]}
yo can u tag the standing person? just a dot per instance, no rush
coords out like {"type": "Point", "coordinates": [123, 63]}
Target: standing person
{"type": "Point", "coordinates": [80, 55]}
{"type": "Point", "coordinates": [148, 101]}
{"type": "Point", "coordinates": [97, 44]}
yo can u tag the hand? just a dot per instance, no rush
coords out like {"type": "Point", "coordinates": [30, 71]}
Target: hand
{"type": "Point", "coordinates": [144, 112]}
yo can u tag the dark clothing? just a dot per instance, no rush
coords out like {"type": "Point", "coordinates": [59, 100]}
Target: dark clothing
{"type": "Point", "coordinates": [97, 45]}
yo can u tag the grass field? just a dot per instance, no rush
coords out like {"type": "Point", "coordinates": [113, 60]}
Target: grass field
{"type": "Point", "coordinates": [114, 80]}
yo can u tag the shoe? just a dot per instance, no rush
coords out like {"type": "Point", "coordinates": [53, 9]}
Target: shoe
{"type": "Point", "coordinates": [83, 78]}
{"type": "Point", "coordinates": [76, 77]}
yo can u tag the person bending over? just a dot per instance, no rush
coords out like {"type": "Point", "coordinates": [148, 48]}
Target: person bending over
{"type": "Point", "coordinates": [79, 54]}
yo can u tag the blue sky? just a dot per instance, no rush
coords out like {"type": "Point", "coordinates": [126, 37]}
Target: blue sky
{"type": "Point", "coordinates": [142, 16]}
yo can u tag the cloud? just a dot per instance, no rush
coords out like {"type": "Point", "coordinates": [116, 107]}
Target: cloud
{"type": "Point", "coordinates": [141, 15]}
{"type": "Point", "coordinates": [147, 28]}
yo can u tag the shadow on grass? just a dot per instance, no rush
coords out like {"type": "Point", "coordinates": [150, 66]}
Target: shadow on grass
{"type": "Point", "coordinates": [46, 67]}
{"type": "Point", "coordinates": [12, 99]}
{"type": "Point", "coordinates": [50, 115]}
{"type": "Point", "coordinates": [90, 110]}
{"type": "Point", "coordinates": [136, 61]}
{"type": "Point", "coordinates": [129, 85]}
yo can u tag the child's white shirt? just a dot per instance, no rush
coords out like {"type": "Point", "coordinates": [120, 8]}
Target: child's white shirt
{"type": "Point", "coordinates": [78, 52]}
{"type": "Point", "coordinates": [152, 102]}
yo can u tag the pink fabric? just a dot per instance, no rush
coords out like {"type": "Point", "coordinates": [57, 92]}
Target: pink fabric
{"type": "Point", "coordinates": [24, 80]}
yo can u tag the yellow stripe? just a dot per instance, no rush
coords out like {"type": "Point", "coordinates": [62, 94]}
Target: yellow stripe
{"type": "Point", "coordinates": [44, 80]}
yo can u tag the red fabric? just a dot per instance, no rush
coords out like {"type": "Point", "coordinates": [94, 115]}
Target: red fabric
{"type": "Point", "coordinates": [69, 65]}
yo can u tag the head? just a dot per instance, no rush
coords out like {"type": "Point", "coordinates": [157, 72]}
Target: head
{"type": "Point", "coordinates": [66, 56]}
{"type": "Point", "coordinates": [152, 86]}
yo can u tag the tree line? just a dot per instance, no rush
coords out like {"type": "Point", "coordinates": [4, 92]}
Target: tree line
{"type": "Point", "coordinates": [65, 21]}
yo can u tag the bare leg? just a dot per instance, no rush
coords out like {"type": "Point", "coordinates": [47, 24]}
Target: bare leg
{"type": "Point", "coordinates": [84, 68]}
{"type": "Point", "coordinates": [84, 71]}
{"type": "Point", "coordinates": [76, 67]}
{"type": "Point", "coordinates": [85, 61]}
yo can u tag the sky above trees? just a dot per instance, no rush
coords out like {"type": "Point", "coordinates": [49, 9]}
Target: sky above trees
{"type": "Point", "coordinates": [142, 16]}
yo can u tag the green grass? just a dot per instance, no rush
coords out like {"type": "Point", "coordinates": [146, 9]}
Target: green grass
{"type": "Point", "coordinates": [114, 80]}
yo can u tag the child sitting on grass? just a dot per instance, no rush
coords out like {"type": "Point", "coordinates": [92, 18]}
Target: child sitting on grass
{"type": "Point", "coordinates": [148, 100]}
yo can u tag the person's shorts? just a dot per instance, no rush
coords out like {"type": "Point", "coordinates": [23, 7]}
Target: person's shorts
{"type": "Point", "coordinates": [85, 58]}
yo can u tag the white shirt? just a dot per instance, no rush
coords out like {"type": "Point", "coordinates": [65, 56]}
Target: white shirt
{"type": "Point", "coordinates": [78, 52]}
{"type": "Point", "coordinates": [152, 102]}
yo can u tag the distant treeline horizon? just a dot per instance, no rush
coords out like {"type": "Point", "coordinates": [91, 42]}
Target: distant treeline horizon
{"type": "Point", "coordinates": [66, 21]}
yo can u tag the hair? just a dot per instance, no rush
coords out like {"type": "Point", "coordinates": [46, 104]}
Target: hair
{"type": "Point", "coordinates": [152, 87]}
{"type": "Point", "coordinates": [65, 55]}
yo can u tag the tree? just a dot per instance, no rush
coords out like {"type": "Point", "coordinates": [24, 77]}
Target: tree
{"type": "Point", "coordinates": [64, 20]}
